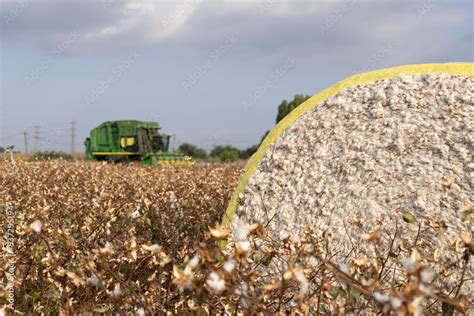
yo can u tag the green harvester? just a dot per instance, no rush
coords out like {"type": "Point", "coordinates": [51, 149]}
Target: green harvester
{"type": "Point", "coordinates": [132, 141]}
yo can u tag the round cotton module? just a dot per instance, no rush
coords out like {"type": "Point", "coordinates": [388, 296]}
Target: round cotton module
{"type": "Point", "coordinates": [379, 162]}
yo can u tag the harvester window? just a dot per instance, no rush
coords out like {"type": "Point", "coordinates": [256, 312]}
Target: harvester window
{"type": "Point", "coordinates": [127, 141]}
{"type": "Point", "coordinates": [164, 143]}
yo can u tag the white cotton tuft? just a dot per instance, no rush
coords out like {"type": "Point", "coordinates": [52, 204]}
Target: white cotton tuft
{"type": "Point", "coordinates": [229, 266]}
{"type": "Point", "coordinates": [304, 283]}
{"type": "Point", "coordinates": [409, 265]}
{"type": "Point", "coordinates": [139, 311]}
{"type": "Point", "coordinates": [135, 214]}
{"type": "Point", "coordinates": [215, 282]}
{"type": "Point", "coordinates": [193, 263]}
{"type": "Point", "coordinates": [94, 280]}
{"type": "Point", "coordinates": [427, 275]}
{"type": "Point", "coordinates": [117, 291]}
{"type": "Point", "coordinates": [36, 226]}
{"type": "Point", "coordinates": [344, 268]}
{"type": "Point", "coordinates": [153, 248]}
{"type": "Point", "coordinates": [241, 229]}
{"type": "Point", "coordinates": [395, 302]}
{"type": "Point", "coordinates": [242, 247]}
{"type": "Point", "coordinates": [381, 298]}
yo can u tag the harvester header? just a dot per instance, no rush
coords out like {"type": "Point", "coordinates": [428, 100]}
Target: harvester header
{"type": "Point", "coordinates": [132, 140]}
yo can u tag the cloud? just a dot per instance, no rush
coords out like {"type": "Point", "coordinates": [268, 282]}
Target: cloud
{"type": "Point", "coordinates": [97, 21]}
{"type": "Point", "coordinates": [265, 26]}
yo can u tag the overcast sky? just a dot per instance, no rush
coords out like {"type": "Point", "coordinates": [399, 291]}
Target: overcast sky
{"type": "Point", "coordinates": [209, 71]}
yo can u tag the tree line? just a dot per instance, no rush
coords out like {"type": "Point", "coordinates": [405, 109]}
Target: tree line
{"type": "Point", "coordinates": [228, 153]}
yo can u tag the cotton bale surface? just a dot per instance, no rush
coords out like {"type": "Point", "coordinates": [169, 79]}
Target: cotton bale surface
{"type": "Point", "coordinates": [389, 150]}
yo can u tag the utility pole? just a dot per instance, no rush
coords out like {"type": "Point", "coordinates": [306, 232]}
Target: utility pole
{"type": "Point", "coordinates": [73, 135]}
{"type": "Point", "coordinates": [37, 137]}
{"type": "Point", "coordinates": [25, 134]}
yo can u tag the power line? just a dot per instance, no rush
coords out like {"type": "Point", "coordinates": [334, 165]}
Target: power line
{"type": "Point", "coordinates": [10, 136]}
{"type": "Point", "coordinates": [25, 134]}
{"type": "Point", "coordinates": [73, 135]}
{"type": "Point", "coordinates": [55, 142]}
{"type": "Point", "coordinates": [37, 137]}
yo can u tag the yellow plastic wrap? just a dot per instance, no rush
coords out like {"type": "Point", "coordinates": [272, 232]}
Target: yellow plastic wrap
{"type": "Point", "coordinates": [466, 69]}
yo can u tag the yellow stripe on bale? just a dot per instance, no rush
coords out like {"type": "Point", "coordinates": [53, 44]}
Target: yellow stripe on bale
{"type": "Point", "coordinates": [466, 69]}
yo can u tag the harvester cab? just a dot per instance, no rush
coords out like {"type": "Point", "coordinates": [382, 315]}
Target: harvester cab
{"type": "Point", "coordinates": [132, 140]}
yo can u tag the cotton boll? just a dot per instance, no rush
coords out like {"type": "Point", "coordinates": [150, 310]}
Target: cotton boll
{"type": "Point", "coordinates": [215, 282]}
{"type": "Point", "coordinates": [36, 226]}
{"type": "Point", "coordinates": [193, 263]}
{"type": "Point", "coordinates": [229, 266]}
{"type": "Point", "coordinates": [94, 280]}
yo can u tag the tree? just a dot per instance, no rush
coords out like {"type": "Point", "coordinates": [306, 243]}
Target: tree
{"type": "Point", "coordinates": [229, 155]}
{"type": "Point", "coordinates": [285, 108]}
{"type": "Point", "coordinates": [192, 151]}
{"type": "Point", "coordinates": [282, 111]}
{"type": "Point", "coordinates": [225, 153]}
{"type": "Point", "coordinates": [2, 150]}
{"type": "Point", "coordinates": [217, 150]}
{"type": "Point", "coordinates": [247, 153]}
